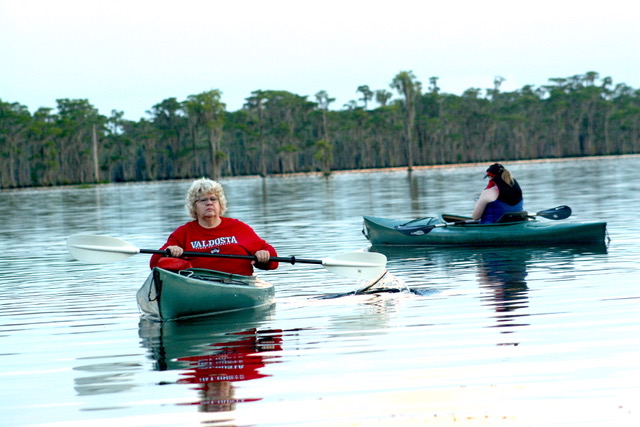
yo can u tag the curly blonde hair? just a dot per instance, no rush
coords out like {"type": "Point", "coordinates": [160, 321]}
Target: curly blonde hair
{"type": "Point", "coordinates": [202, 187]}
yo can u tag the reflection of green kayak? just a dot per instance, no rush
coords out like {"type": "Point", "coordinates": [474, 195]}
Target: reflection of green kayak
{"type": "Point", "coordinates": [168, 342]}
{"type": "Point", "coordinates": [168, 295]}
{"type": "Point", "coordinates": [452, 230]}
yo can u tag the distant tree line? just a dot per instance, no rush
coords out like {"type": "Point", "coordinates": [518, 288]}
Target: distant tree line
{"type": "Point", "coordinates": [278, 132]}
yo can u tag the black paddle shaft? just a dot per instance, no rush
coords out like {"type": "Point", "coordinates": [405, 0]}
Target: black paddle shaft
{"type": "Point", "coordinates": [291, 260]}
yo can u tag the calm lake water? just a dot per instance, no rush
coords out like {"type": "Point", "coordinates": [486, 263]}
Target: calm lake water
{"type": "Point", "coordinates": [517, 336]}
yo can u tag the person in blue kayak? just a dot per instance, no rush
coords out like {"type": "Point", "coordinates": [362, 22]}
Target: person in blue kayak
{"type": "Point", "coordinates": [502, 195]}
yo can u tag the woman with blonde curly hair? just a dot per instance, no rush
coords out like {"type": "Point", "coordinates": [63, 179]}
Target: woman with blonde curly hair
{"type": "Point", "coordinates": [502, 195]}
{"type": "Point", "coordinates": [210, 232]}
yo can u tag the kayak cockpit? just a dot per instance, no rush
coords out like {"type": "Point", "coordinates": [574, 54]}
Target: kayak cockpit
{"type": "Point", "coordinates": [505, 218]}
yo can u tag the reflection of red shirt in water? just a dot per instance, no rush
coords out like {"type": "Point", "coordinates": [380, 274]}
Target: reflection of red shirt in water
{"type": "Point", "coordinates": [232, 236]}
{"type": "Point", "coordinates": [237, 360]}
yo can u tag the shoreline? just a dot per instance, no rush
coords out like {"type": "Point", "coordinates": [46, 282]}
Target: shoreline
{"type": "Point", "coordinates": [444, 166]}
{"type": "Point", "coordinates": [336, 172]}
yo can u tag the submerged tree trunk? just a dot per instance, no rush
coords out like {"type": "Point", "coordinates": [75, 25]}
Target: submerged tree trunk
{"type": "Point", "coordinates": [94, 145]}
{"type": "Point", "coordinates": [407, 85]}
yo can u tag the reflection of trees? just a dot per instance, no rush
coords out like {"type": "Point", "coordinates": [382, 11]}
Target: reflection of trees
{"type": "Point", "coordinates": [213, 354]}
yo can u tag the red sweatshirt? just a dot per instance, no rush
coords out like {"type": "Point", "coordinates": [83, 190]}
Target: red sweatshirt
{"type": "Point", "coordinates": [232, 236]}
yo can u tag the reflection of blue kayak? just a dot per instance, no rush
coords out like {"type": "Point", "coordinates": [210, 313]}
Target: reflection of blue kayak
{"type": "Point", "coordinates": [453, 230]}
{"type": "Point", "coordinates": [168, 295]}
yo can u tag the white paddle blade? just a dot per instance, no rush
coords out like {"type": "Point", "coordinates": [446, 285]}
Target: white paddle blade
{"type": "Point", "coordinates": [357, 265]}
{"type": "Point", "coordinates": [99, 249]}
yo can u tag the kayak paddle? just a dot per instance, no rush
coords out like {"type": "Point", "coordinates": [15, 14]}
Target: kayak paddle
{"type": "Point", "coordinates": [559, 212]}
{"type": "Point", "coordinates": [104, 249]}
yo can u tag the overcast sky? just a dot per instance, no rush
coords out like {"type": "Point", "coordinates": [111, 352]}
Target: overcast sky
{"type": "Point", "coordinates": [129, 55]}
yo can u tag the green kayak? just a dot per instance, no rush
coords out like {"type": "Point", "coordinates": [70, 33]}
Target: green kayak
{"type": "Point", "coordinates": [169, 295]}
{"type": "Point", "coordinates": [459, 230]}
